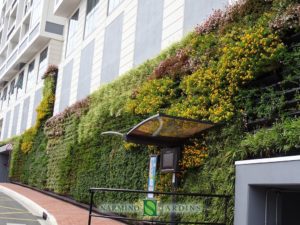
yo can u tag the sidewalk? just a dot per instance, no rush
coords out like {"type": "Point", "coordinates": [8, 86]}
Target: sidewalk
{"type": "Point", "coordinates": [64, 213]}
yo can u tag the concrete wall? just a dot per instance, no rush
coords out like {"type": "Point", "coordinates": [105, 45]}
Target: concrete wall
{"type": "Point", "coordinates": [15, 120]}
{"type": "Point", "coordinates": [6, 127]}
{"type": "Point", "coordinates": [254, 179]}
{"type": "Point", "coordinates": [36, 100]}
{"type": "Point", "coordinates": [66, 85]}
{"type": "Point", "coordinates": [148, 30]}
{"type": "Point", "coordinates": [86, 63]}
{"type": "Point", "coordinates": [112, 50]}
{"type": "Point", "coordinates": [25, 114]}
{"type": "Point", "coordinates": [196, 11]}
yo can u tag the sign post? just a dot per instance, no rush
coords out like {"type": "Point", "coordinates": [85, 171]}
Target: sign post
{"type": "Point", "coordinates": [152, 175]}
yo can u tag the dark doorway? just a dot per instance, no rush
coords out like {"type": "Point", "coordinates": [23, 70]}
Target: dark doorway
{"type": "Point", "coordinates": [290, 208]}
{"type": "Point", "coordinates": [4, 166]}
{"type": "Point", "coordinates": [281, 207]}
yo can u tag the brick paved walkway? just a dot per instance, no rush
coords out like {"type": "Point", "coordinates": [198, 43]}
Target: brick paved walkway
{"type": "Point", "coordinates": [65, 213]}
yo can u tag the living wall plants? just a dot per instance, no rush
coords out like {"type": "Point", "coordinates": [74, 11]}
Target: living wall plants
{"type": "Point", "coordinates": [238, 69]}
{"type": "Point", "coordinates": [29, 158]}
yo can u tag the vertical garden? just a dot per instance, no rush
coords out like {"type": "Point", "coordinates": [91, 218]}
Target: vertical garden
{"type": "Point", "coordinates": [240, 69]}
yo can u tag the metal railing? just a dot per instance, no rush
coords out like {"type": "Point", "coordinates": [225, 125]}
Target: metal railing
{"type": "Point", "coordinates": [93, 212]}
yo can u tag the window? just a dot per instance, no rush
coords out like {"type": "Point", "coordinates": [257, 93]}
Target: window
{"type": "Point", "coordinates": [13, 4]}
{"type": "Point", "coordinates": [1, 125]}
{"type": "Point", "coordinates": [112, 4]}
{"type": "Point", "coordinates": [3, 97]}
{"type": "Point", "coordinates": [1, 100]}
{"type": "Point", "coordinates": [19, 84]}
{"type": "Point", "coordinates": [91, 13]}
{"type": "Point", "coordinates": [73, 27]}
{"type": "Point", "coordinates": [0, 37]}
{"type": "Point", "coordinates": [28, 4]}
{"type": "Point", "coordinates": [36, 12]}
{"type": "Point", "coordinates": [91, 4]}
{"type": "Point", "coordinates": [11, 90]}
{"type": "Point", "coordinates": [43, 64]}
{"type": "Point", "coordinates": [31, 78]}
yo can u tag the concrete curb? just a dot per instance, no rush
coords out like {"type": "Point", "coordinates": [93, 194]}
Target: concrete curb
{"type": "Point", "coordinates": [30, 205]}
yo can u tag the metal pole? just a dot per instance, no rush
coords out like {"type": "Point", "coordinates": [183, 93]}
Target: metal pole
{"type": "Point", "coordinates": [91, 208]}
{"type": "Point", "coordinates": [173, 214]}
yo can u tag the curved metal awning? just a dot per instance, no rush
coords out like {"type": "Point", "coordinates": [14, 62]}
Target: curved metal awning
{"type": "Point", "coordinates": [5, 149]}
{"type": "Point", "coordinates": [165, 130]}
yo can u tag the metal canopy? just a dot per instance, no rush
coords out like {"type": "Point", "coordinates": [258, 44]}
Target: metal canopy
{"type": "Point", "coordinates": [5, 149]}
{"type": "Point", "coordinates": [165, 130]}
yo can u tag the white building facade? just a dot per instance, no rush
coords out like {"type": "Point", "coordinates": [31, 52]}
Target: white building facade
{"type": "Point", "coordinates": [31, 38]}
{"type": "Point", "coordinates": [92, 41]}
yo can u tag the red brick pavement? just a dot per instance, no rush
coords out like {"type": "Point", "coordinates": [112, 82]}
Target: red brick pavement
{"type": "Point", "coordinates": [64, 213]}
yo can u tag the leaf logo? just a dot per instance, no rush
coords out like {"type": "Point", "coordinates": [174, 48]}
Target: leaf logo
{"type": "Point", "coordinates": [150, 208]}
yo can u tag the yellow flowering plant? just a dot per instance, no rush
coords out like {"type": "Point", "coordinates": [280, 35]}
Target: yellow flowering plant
{"type": "Point", "coordinates": [193, 155]}
{"type": "Point", "coordinates": [44, 109]}
{"type": "Point", "coordinates": [153, 96]}
{"type": "Point", "coordinates": [210, 91]}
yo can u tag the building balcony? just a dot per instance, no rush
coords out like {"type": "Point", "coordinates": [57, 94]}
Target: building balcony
{"type": "Point", "coordinates": [23, 52]}
{"type": "Point", "coordinates": [25, 39]}
{"type": "Point", "coordinates": [65, 8]}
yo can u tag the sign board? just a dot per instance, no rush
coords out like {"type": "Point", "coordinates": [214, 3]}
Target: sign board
{"type": "Point", "coordinates": [152, 175]}
{"type": "Point", "coordinates": [169, 159]}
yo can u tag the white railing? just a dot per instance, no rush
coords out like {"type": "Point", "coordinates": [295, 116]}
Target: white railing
{"type": "Point", "coordinates": [11, 30]}
{"type": "Point", "coordinates": [2, 69]}
{"type": "Point", "coordinates": [28, 5]}
{"type": "Point", "coordinates": [23, 44]}
{"type": "Point", "coordinates": [14, 3]}
{"type": "Point", "coordinates": [11, 59]}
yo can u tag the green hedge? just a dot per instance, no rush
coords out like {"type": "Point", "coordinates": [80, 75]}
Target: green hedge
{"type": "Point", "coordinates": [69, 155]}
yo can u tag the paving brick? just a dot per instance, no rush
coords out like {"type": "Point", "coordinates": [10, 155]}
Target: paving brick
{"type": "Point", "coordinates": [65, 213]}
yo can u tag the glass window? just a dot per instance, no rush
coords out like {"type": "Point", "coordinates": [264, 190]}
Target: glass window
{"type": "Point", "coordinates": [19, 84]}
{"type": "Point", "coordinates": [43, 64]}
{"type": "Point", "coordinates": [1, 100]}
{"type": "Point", "coordinates": [28, 4]}
{"type": "Point", "coordinates": [31, 77]}
{"type": "Point", "coordinates": [11, 90]}
{"type": "Point", "coordinates": [1, 126]}
{"type": "Point", "coordinates": [91, 17]}
{"type": "Point", "coordinates": [91, 4]}
{"type": "Point", "coordinates": [3, 97]}
{"type": "Point", "coordinates": [73, 27]}
{"type": "Point", "coordinates": [36, 12]}
{"type": "Point", "coordinates": [112, 4]}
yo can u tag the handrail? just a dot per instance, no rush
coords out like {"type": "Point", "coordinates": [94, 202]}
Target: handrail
{"type": "Point", "coordinates": [158, 193]}
{"type": "Point", "coordinates": [155, 220]}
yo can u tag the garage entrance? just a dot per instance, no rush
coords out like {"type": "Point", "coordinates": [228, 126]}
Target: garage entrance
{"type": "Point", "coordinates": [268, 191]}
{"type": "Point", "coordinates": [280, 206]}
{"type": "Point", "coordinates": [4, 162]}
